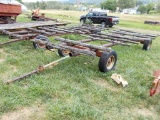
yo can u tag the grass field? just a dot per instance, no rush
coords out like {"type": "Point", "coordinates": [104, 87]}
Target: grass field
{"type": "Point", "coordinates": [75, 89]}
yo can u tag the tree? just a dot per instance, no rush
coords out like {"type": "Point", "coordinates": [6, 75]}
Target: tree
{"type": "Point", "coordinates": [150, 7]}
{"type": "Point", "coordinates": [20, 1]}
{"type": "Point", "coordinates": [142, 9]}
{"type": "Point", "coordinates": [146, 9]}
{"type": "Point", "coordinates": [43, 5]}
{"type": "Point", "coordinates": [139, 2]}
{"type": "Point", "coordinates": [109, 4]}
{"type": "Point", "coordinates": [37, 4]}
{"type": "Point", "coordinates": [122, 4]}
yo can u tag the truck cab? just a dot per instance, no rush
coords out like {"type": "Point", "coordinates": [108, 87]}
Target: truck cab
{"type": "Point", "coordinates": [100, 18]}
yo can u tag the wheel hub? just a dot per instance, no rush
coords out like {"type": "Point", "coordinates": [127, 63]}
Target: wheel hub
{"type": "Point", "coordinates": [66, 52]}
{"type": "Point", "coordinates": [110, 62]}
{"type": "Point", "coordinates": [40, 45]}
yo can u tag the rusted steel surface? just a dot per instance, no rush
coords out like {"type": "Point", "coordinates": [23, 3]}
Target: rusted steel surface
{"type": "Point", "coordinates": [38, 70]}
{"type": "Point", "coordinates": [30, 25]}
{"type": "Point", "coordinates": [11, 41]}
{"type": "Point", "coordinates": [132, 33]}
{"type": "Point", "coordinates": [36, 16]}
{"type": "Point", "coordinates": [68, 47]}
{"type": "Point", "coordinates": [38, 35]}
{"type": "Point", "coordinates": [82, 44]}
{"type": "Point", "coordinates": [156, 83]}
{"type": "Point", "coordinates": [92, 33]}
{"type": "Point", "coordinates": [47, 30]}
{"type": "Point", "coordinates": [10, 10]}
{"type": "Point", "coordinates": [117, 38]}
{"type": "Point", "coordinates": [107, 40]}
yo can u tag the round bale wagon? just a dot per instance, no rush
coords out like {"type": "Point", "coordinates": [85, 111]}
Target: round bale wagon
{"type": "Point", "coordinates": [9, 12]}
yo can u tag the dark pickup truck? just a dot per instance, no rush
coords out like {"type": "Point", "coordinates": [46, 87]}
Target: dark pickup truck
{"type": "Point", "coordinates": [100, 18]}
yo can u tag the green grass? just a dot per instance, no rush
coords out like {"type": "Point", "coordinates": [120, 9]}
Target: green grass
{"type": "Point", "coordinates": [140, 25]}
{"type": "Point", "coordinates": [76, 89]}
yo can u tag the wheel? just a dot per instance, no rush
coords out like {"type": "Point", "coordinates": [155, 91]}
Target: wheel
{"type": "Point", "coordinates": [63, 53]}
{"type": "Point", "coordinates": [147, 44]}
{"type": "Point", "coordinates": [39, 45]}
{"type": "Point", "coordinates": [41, 19]}
{"type": "Point", "coordinates": [110, 25]}
{"type": "Point", "coordinates": [103, 24]}
{"type": "Point", "coordinates": [82, 21]}
{"type": "Point", "coordinates": [107, 61]}
{"type": "Point", "coordinates": [32, 18]}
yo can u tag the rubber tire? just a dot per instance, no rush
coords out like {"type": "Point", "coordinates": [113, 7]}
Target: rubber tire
{"type": "Point", "coordinates": [103, 61]}
{"type": "Point", "coordinates": [110, 25]}
{"type": "Point", "coordinates": [61, 53]}
{"type": "Point", "coordinates": [146, 45]}
{"type": "Point", "coordinates": [103, 24]}
{"type": "Point", "coordinates": [42, 37]}
{"type": "Point", "coordinates": [41, 20]}
{"type": "Point", "coordinates": [82, 21]}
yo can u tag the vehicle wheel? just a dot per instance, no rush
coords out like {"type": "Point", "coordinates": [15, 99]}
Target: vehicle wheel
{"type": "Point", "coordinates": [63, 53]}
{"type": "Point", "coordinates": [82, 21]}
{"type": "Point", "coordinates": [103, 24]}
{"type": "Point", "coordinates": [107, 61]}
{"type": "Point", "coordinates": [147, 44]}
{"type": "Point", "coordinates": [32, 18]}
{"type": "Point", "coordinates": [110, 25]}
{"type": "Point", "coordinates": [39, 45]}
{"type": "Point", "coordinates": [40, 20]}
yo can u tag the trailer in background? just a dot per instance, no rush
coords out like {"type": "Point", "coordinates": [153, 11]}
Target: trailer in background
{"type": "Point", "coordinates": [9, 13]}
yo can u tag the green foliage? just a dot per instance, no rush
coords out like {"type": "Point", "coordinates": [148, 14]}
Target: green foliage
{"type": "Point", "coordinates": [43, 5]}
{"type": "Point", "coordinates": [122, 4]}
{"type": "Point", "coordinates": [109, 4]}
{"type": "Point", "coordinates": [139, 2]}
{"type": "Point", "coordinates": [49, 5]}
{"type": "Point", "coordinates": [146, 8]}
{"type": "Point", "coordinates": [150, 7]}
{"type": "Point", "coordinates": [20, 1]}
{"type": "Point", "coordinates": [140, 25]}
{"type": "Point", "coordinates": [142, 9]}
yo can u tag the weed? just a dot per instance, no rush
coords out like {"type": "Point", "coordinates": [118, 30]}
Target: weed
{"type": "Point", "coordinates": [76, 89]}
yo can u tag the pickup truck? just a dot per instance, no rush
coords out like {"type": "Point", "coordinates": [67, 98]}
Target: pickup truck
{"type": "Point", "coordinates": [100, 18]}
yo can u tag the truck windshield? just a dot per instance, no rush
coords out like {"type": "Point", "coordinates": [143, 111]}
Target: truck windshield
{"type": "Point", "coordinates": [90, 14]}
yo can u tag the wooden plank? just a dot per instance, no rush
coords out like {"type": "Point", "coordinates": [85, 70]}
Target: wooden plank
{"type": "Point", "coordinates": [29, 24]}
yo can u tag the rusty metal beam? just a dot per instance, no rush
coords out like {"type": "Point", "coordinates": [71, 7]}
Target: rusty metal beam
{"type": "Point", "coordinates": [126, 37]}
{"type": "Point", "coordinates": [65, 47]}
{"type": "Point", "coordinates": [134, 34]}
{"type": "Point", "coordinates": [40, 31]}
{"type": "Point", "coordinates": [111, 41]}
{"type": "Point", "coordinates": [11, 41]}
{"type": "Point", "coordinates": [39, 69]}
{"type": "Point", "coordinates": [82, 44]}
{"type": "Point", "coordinates": [52, 30]}
{"type": "Point", "coordinates": [113, 38]}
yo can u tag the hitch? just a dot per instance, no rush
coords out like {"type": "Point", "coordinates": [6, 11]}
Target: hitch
{"type": "Point", "coordinates": [36, 71]}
